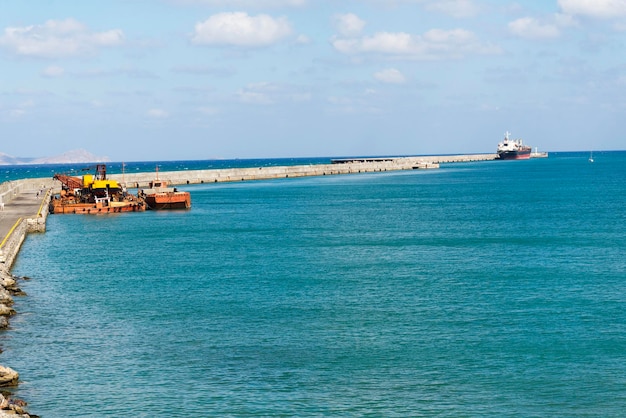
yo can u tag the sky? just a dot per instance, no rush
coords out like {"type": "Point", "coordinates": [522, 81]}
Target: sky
{"type": "Point", "coordinates": [146, 80]}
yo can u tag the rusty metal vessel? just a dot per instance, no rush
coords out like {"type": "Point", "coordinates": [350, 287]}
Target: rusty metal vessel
{"type": "Point", "coordinates": [93, 194]}
{"type": "Point", "coordinates": [159, 195]}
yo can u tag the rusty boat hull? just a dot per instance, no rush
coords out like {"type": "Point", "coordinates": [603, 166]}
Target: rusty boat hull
{"type": "Point", "coordinates": [168, 200]}
{"type": "Point", "coordinates": [58, 206]}
{"type": "Point", "coordinates": [159, 196]}
{"type": "Point", "coordinates": [93, 194]}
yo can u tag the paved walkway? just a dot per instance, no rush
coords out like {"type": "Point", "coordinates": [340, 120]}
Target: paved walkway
{"type": "Point", "coordinates": [25, 204]}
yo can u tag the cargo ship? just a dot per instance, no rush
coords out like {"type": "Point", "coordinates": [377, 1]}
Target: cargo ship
{"type": "Point", "coordinates": [93, 194]}
{"type": "Point", "coordinates": [159, 196]}
{"type": "Point", "coordinates": [513, 149]}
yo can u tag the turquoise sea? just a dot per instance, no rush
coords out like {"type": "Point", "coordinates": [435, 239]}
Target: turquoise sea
{"type": "Point", "coordinates": [480, 289]}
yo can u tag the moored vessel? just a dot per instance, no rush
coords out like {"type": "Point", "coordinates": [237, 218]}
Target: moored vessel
{"type": "Point", "coordinates": [513, 149]}
{"type": "Point", "coordinates": [93, 194]}
{"type": "Point", "coordinates": [159, 196]}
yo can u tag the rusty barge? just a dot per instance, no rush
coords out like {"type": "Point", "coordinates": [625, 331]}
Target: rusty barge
{"type": "Point", "coordinates": [96, 194]}
{"type": "Point", "coordinates": [93, 194]}
{"type": "Point", "coordinates": [159, 195]}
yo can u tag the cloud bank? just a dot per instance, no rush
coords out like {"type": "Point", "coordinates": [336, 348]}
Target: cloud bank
{"type": "Point", "coordinates": [58, 39]}
{"type": "Point", "coordinates": [434, 44]}
{"type": "Point", "coordinates": [241, 29]}
{"type": "Point", "coordinates": [601, 9]}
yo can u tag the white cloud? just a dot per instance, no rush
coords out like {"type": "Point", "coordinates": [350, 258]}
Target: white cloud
{"type": "Point", "coordinates": [158, 113]}
{"type": "Point", "coordinates": [348, 25]}
{"type": "Point", "coordinates": [531, 28]}
{"type": "Point", "coordinates": [240, 29]}
{"type": "Point", "coordinates": [390, 75]}
{"type": "Point", "coordinates": [454, 8]}
{"type": "Point", "coordinates": [602, 9]}
{"type": "Point", "coordinates": [21, 109]}
{"type": "Point", "coordinates": [432, 45]}
{"type": "Point", "coordinates": [259, 93]}
{"type": "Point", "coordinates": [266, 93]}
{"type": "Point", "coordinates": [58, 38]}
{"type": "Point", "coordinates": [53, 71]}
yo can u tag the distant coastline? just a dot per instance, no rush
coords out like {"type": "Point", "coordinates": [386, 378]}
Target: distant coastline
{"type": "Point", "coordinates": [77, 156]}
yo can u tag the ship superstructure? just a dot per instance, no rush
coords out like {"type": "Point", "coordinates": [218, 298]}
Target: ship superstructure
{"type": "Point", "coordinates": [513, 149]}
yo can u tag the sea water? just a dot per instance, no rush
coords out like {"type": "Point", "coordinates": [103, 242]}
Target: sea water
{"type": "Point", "coordinates": [479, 289]}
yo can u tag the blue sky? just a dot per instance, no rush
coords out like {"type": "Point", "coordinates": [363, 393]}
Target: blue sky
{"type": "Point", "coordinates": [149, 80]}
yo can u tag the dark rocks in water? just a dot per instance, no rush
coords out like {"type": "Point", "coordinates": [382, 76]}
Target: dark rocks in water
{"type": "Point", "coordinates": [12, 288]}
{"type": "Point", "coordinates": [5, 297]}
{"type": "Point", "coordinates": [9, 407]}
{"type": "Point", "coordinates": [8, 376]}
{"type": "Point", "coordinates": [14, 407]}
{"type": "Point", "coordinates": [18, 292]}
{"type": "Point", "coordinates": [6, 300]}
{"type": "Point", "coordinates": [6, 310]}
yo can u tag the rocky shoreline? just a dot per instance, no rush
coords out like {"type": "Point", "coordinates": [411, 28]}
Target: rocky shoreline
{"type": "Point", "coordinates": [9, 406]}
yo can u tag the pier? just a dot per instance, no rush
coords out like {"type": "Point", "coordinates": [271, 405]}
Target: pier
{"type": "Point", "coordinates": [343, 166]}
{"type": "Point", "coordinates": [23, 209]}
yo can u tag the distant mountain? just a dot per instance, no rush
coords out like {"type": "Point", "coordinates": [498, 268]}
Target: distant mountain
{"type": "Point", "coordinates": [9, 160]}
{"type": "Point", "coordinates": [77, 156]}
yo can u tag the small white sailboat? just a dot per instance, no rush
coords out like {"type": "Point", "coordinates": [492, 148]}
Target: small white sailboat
{"type": "Point", "coordinates": [591, 157]}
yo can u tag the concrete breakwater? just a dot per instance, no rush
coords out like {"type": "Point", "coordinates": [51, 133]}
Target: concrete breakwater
{"type": "Point", "coordinates": [24, 210]}
{"type": "Point", "coordinates": [347, 166]}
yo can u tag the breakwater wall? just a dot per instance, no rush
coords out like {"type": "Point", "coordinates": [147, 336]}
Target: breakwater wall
{"type": "Point", "coordinates": [35, 222]}
{"type": "Point", "coordinates": [10, 189]}
{"type": "Point", "coordinates": [348, 166]}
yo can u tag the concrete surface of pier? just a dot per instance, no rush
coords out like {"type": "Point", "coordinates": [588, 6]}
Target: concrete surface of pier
{"type": "Point", "coordinates": [346, 166]}
{"type": "Point", "coordinates": [23, 209]}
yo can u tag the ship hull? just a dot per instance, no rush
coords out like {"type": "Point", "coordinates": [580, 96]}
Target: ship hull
{"type": "Point", "coordinates": [163, 201]}
{"type": "Point", "coordinates": [57, 207]}
{"type": "Point", "coordinates": [514, 155]}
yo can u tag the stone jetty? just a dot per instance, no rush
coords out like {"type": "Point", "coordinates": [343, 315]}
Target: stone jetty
{"type": "Point", "coordinates": [343, 166]}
